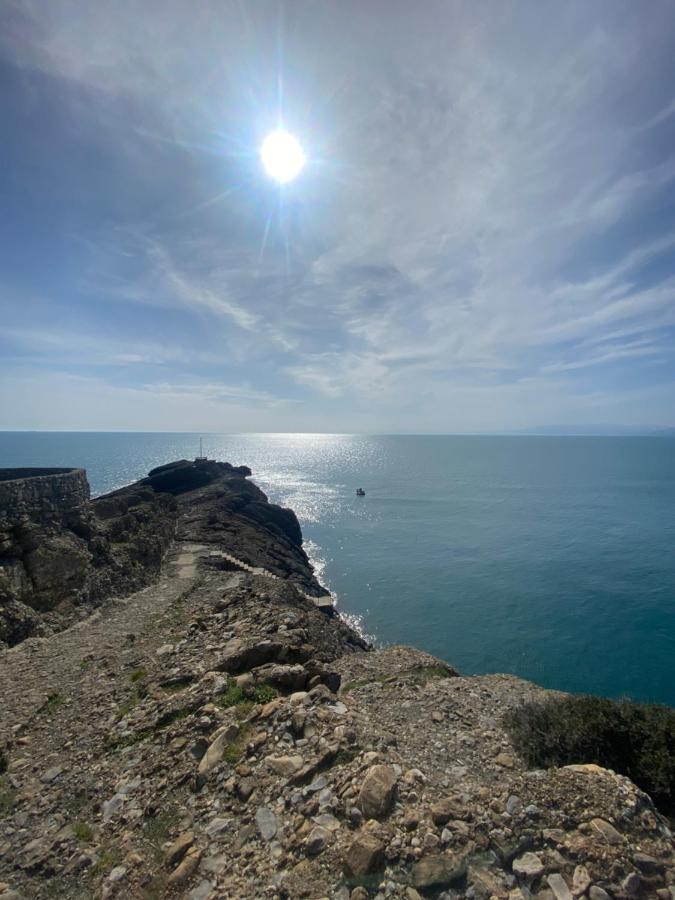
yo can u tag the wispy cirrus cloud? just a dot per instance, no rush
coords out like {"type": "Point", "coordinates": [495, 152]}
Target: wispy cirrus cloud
{"type": "Point", "coordinates": [485, 227]}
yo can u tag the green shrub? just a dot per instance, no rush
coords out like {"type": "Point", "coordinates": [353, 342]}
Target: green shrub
{"type": "Point", "coordinates": [634, 739]}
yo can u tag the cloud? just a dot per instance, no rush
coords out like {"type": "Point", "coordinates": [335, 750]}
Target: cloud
{"type": "Point", "coordinates": [485, 227]}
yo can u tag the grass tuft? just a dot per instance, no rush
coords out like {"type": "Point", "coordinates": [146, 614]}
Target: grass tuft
{"type": "Point", "coordinates": [83, 832]}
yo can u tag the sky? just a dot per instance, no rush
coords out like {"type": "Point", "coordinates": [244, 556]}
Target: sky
{"type": "Point", "coordinates": [482, 239]}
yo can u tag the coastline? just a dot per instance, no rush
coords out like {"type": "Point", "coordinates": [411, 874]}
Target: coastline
{"type": "Point", "coordinates": [217, 735]}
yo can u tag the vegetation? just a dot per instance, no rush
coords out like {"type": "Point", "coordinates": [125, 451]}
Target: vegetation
{"type": "Point", "coordinates": [83, 832]}
{"type": "Point", "coordinates": [634, 739]}
{"type": "Point", "coordinates": [138, 675]}
{"type": "Point", "coordinates": [243, 701]}
{"type": "Point", "coordinates": [52, 702]}
{"type": "Point", "coordinates": [417, 675]}
{"type": "Point", "coordinates": [159, 827]}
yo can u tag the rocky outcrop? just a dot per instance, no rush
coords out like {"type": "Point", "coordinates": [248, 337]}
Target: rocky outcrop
{"type": "Point", "coordinates": [62, 554]}
{"type": "Point", "coordinates": [218, 736]}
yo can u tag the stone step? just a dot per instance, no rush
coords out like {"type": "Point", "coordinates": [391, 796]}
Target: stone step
{"type": "Point", "coordinates": [323, 603]}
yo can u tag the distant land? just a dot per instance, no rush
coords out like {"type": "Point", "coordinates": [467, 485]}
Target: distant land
{"type": "Point", "coordinates": [599, 430]}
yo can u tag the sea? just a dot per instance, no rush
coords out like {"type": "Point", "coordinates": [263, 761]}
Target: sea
{"type": "Point", "coordinates": [551, 558]}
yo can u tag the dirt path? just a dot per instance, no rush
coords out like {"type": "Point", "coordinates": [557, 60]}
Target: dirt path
{"type": "Point", "coordinates": [66, 667]}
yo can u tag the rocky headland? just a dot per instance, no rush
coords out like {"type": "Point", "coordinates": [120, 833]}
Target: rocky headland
{"type": "Point", "coordinates": [184, 715]}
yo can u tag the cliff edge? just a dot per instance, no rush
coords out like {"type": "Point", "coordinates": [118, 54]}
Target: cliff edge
{"type": "Point", "coordinates": [217, 735]}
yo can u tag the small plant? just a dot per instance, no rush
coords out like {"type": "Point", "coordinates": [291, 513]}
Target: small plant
{"type": "Point", "coordinates": [158, 828]}
{"type": "Point", "coordinates": [234, 751]}
{"type": "Point", "coordinates": [634, 739]}
{"type": "Point", "coordinates": [83, 832]}
{"type": "Point", "coordinates": [138, 675]}
{"type": "Point", "coordinates": [52, 702]}
{"type": "Point", "coordinates": [237, 696]}
{"type": "Point", "coordinates": [109, 858]}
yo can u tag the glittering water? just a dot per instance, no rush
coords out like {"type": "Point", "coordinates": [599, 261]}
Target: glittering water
{"type": "Point", "coordinates": [551, 557]}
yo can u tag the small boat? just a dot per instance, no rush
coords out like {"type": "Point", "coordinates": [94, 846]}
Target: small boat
{"type": "Point", "coordinates": [360, 492]}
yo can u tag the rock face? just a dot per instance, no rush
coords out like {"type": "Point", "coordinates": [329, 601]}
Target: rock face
{"type": "Point", "coordinates": [62, 553]}
{"type": "Point", "coordinates": [59, 551]}
{"type": "Point", "coordinates": [216, 735]}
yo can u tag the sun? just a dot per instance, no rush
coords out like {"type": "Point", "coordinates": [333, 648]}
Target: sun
{"type": "Point", "coordinates": [282, 156]}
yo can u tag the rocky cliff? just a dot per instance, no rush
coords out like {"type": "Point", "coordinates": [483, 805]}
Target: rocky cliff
{"type": "Point", "coordinates": [217, 735]}
{"type": "Point", "coordinates": [62, 554]}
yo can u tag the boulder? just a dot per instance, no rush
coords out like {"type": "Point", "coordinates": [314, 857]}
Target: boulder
{"type": "Point", "coordinates": [438, 871]}
{"type": "Point", "coordinates": [365, 855]}
{"type": "Point", "coordinates": [378, 792]}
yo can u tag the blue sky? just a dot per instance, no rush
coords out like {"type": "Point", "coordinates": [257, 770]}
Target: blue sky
{"type": "Point", "coordinates": [483, 237]}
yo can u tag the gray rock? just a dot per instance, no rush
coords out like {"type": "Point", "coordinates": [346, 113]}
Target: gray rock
{"type": "Point", "coordinates": [202, 891]}
{"type": "Point", "coordinates": [648, 864]}
{"type": "Point", "coordinates": [266, 822]}
{"type": "Point", "coordinates": [631, 884]}
{"type": "Point", "coordinates": [513, 805]}
{"type": "Point", "coordinates": [317, 840]}
{"type": "Point", "coordinates": [51, 774]}
{"type": "Point", "coordinates": [529, 865]}
{"type": "Point", "coordinates": [559, 887]}
{"type": "Point", "coordinates": [216, 826]}
{"type": "Point", "coordinates": [595, 892]}
{"type": "Point", "coordinates": [111, 806]}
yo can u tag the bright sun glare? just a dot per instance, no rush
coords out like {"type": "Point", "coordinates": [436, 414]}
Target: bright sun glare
{"type": "Point", "coordinates": [282, 156]}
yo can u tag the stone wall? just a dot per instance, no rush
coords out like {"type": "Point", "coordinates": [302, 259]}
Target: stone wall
{"type": "Point", "coordinates": [41, 495]}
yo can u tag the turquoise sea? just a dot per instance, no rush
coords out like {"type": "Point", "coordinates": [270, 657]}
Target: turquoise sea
{"type": "Point", "coordinates": [549, 557]}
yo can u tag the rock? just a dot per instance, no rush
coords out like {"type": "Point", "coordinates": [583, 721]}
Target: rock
{"type": "Point", "coordinates": [559, 887]}
{"type": "Point", "coordinates": [111, 806]}
{"type": "Point", "coordinates": [245, 788]}
{"type": "Point", "coordinates": [116, 874]}
{"type": "Point", "coordinates": [214, 755]}
{"type": "Point", "coordinates": [528, 866]}
{"type": "Point", "coordinates": [317, 840]}
{"type": "Point", "coordinates": [202, 891]}
{"type": "Point", "coordinates": [513, 805]}
{"type": "Point", "coordinates": [285, 677]}
{"type": "Point", "coordinates": [51, 774]}
{"type": "Point", "coordinates": [606, 831]}
{"type": "Point", "coordinates": [595, 892]}
{"type": "Point", "coordinates": [438, 871]}
{"type": "Point", "coordinates": [178, 849]}
{"type": "Point", "coordinates": [378, 791]}
{"type": "Point", "coordinates": [359, 893]}
{"type": "Point", "coordinates": [164, 650]}
{"type": "Point", "coordinates": [444, 810]}
{"type": "Point", "coordinates": [365, 855]}
{"type": "Point", "coordinates": [216, 826]}
{"type": "Point", "coordinates": [648, 864]}
{"type": "Point", "coordinates": [186, 869]}
{"type": "Point", "coordinates": [631, 884]}
{"type": "Point", "coordinates": [266, 822]}
{"type": "Point", "coordinates": [285, 765]}
{"type": "Point", "coordinates": [505, 760]}
{"type": "Point", "coordinates": [581, 881]}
